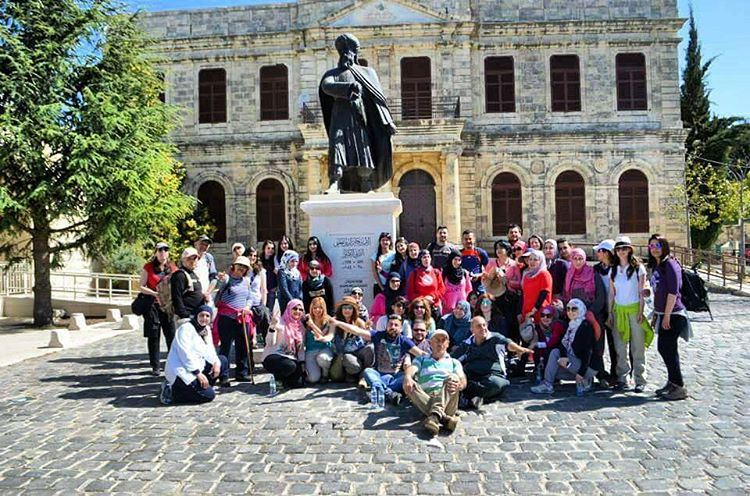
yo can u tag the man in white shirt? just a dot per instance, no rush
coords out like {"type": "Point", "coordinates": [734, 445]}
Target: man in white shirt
{"type": "Point", "coordinates": [192, 364]}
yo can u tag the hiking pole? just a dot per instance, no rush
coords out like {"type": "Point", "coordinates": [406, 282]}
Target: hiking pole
{"type": "Point", "coordinates": [251, 362]}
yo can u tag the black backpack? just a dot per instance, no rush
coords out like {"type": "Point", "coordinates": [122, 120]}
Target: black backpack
{"type": "Point", "coordinates": [693, 292]}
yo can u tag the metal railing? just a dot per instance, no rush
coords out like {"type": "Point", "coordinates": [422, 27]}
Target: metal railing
{"type": "Point", "coordinates": [18, 279]}
{"type": "Point", "coordinates": [403, 110]}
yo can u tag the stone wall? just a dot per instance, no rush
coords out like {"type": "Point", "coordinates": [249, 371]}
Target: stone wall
{"type": "Point", "coordinates": [462, 155]}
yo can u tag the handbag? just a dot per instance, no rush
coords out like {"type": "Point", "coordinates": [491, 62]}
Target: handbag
{"type": "Point", "coordinates": [141, 304]}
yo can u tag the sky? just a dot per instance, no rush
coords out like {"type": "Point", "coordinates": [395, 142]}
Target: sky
{"type": "Point", "coordinates": [723, 30]}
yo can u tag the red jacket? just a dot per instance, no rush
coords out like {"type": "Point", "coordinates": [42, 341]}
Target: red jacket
{"type": "Point", "coordinates": [425, 282]}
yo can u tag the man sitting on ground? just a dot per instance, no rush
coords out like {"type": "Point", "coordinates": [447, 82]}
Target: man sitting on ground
{"type": "Point", "coordinates": [192, 364]}
{"type": "Point", "coordinates": [433, 382]}
{"type": "Point", "coordinates": [483, 360]}
{"type": "Point", "coordinates": [391, 350]}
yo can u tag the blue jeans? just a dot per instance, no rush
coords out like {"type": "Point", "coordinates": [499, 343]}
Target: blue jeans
{"type": "Point", "coordinates": [390, 383]}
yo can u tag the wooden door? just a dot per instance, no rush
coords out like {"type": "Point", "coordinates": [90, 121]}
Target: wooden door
{"type": "Point", "coordinates": [418, 220]}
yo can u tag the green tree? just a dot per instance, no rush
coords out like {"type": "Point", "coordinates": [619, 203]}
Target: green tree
{"type": "Point", "coordinates": [84, 160]}
{"type": "Point", "coordinates": [709, 143]}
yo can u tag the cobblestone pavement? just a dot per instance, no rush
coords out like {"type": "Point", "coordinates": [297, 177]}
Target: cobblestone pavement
{"type": "Point", "coordinates": [88, 420]}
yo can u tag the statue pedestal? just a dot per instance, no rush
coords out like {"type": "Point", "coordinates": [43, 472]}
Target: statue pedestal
{"type": "Point", "coordinates": [348, 226]}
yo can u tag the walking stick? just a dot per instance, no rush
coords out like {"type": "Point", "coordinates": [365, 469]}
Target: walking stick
{"type": "Point", "coordinates": [250, 358]}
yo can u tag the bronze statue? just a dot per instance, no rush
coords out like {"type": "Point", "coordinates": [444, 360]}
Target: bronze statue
{"type": "Point", "coordinates": [357, 120]}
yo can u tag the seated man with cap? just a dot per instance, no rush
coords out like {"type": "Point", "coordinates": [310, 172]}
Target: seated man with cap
{"type": "Point", "coordinates": [358, 294]}
{"type": "Point", "coordinates": [193, 366]}
{"type": "Point", "coordinates": [433, 383]}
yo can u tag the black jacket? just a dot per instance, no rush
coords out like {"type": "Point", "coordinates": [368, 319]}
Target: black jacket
{"type": "Point", "coordinates": [583, 346]}
{"type": "Point", "coordinates": [185, 301]}
{"type": "Point", "coordinates": [325, 291]}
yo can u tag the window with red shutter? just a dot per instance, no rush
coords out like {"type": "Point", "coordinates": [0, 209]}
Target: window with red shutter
{"type": "Point", "coordinates": [499, 85]}
{"type": "Point", "coordinates": [211, 195]}
{"type": "Point", "coordinates": [416, 88]}
{"type": "Point", "coordinates": [507, 205]}
{"type": "Point", "coordinates": [270, 209]}
{"type": "Point", "coordinates": [631, 81]}
{"type": "Point", "coordinates": [633, 193]}
{"type": "Point", "coordinates": [570, 204]}
{"type": "Point", "coordinates": [274, 93]}
{"type": "Point", "coordinates": [565, 81]}
{"type": "Point", "coordinates": [212, 96]}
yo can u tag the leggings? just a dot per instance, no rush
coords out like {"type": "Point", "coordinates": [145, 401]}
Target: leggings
{"type": "Point", "coordinates": [667, 346]}
{"type": "Point", "coordinates": [284, 369]}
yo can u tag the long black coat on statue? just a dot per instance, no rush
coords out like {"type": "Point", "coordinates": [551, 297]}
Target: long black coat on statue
{"type": "Point", "coordinates": [359, 130]}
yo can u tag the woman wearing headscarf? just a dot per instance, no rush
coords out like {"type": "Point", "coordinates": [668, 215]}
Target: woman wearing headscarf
{"type": "Point", "coordinates": [457, 323]}
{"type": "Point", "coordinates": [315, 252]}
{"type": "Point", "coordinates": [284, 353]}
{"type": "Point", "coordinates": [193, 366]}
{"type": "Point", "coordinates": [584, 283]}
{"type": "Point", "coordinates": [284, 244]}
{"type": "Point", "coordinates": [316, 285]}
{"type": "Point", "coordinates": [425, 281]}
{"type": "Point", "coordinates": [290, 280]}
{"type": "Point", "coordinates": [410, 263]}
{"type": "Point", "coordinates": [550, 331]}
{"type": "Point", "coordinates": [571, 359]}
{"type": "Point", "coordinates": [536, 287]}
{"type": "Point", "coordinates": [457, 282]}
{"type": "Point", "coordinates": [383, 302]}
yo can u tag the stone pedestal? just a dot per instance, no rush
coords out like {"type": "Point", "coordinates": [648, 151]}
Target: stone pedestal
{"type": "Point", "coordinates": [59, 338]}
{"type": "Point", "coordinates": [113, 315]}
{"type": "Point", "coordinates": [129, 322]}
{"type": "Point", "coordinates": [348, 226]}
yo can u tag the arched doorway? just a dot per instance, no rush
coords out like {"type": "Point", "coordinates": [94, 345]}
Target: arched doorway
{"type": "Point", "coordinates": [269, 210]}
{"type": "Point", "coordinates": [211, 195]}
{"type": "Point", "coordinates": [417, 194]}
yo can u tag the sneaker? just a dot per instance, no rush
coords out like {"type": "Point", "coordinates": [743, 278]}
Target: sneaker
{"type": "Point", "coordinates": [396, 398]}
{"type": "Point", "coordinates": [476, 402]}
{"type": "Point", "coordinates": [588, 385]}
{"type": "Point", "coordinates": [451, 422]}
{"type": "Point", "coordinates": [543, 388]}
{"type": "Point", "coordinates": [663, 390]}
{"type": "Point", "coordinates": [639, 388]}
{"type": "Point", "coordinates": [165, 393]}
{"type": "Point", "coordinates": [155, 371]}
{"type": "Point", "coordinates": [676, 393]}
{"type": "Point", "coordinates": [432, 424]}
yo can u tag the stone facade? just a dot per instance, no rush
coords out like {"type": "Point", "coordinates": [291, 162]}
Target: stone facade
{"type": "Point", "coordinates": [462, 149]}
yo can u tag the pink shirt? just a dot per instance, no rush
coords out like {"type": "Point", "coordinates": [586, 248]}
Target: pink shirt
{"type": "Point", "coordinates": [455, 293]}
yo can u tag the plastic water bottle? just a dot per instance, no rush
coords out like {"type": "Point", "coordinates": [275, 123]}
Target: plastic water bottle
{"type": "Point", "coordinates": [540, 370]}
{"type": "Point", "coordinates": [272, 386]}
{"type": "Point", "coordinates": [580, 388]}
{"type": "Point", "coordinates": [381, 399]}
{"type": "Point", "coordinates": [373, 399]}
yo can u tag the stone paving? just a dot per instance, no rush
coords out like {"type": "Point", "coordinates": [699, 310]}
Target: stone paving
{"type": "Point", "coordinates": [88, 420]}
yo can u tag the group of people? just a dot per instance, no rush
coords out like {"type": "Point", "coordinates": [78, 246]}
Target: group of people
{"type": "Point", "coordinates": [448, 326]}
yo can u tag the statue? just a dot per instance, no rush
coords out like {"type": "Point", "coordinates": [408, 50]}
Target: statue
{"type": "Point", "coordinates": [357, 120]}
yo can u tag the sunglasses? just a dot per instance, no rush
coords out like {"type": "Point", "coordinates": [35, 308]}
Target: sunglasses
{"type": "Point", "coordinates": [358, 294]}
{"type": "Point", "coordinates": [546, 315]}
{"type": "Point", "coordinates": [622, 248]}
{"type": "Point", "coordinates": [163, 249]}
{"type": "Point", "coordinates": [314, 268]}
{"type": "Point", "coordinates": [572, 309]}
{"type": "Point", "coordinates": [420, 307]}
{"type": "Point", "coordinates": [398, 305]}
{"type": "Point", "coordinates": [518, 249]}
{"type": "Point", "coordinates": [298, 309]}
{"type": "Point", "coordinates": [347, 307]}
{"type": "Point", "coordinates": [579, 258]}
{"type": "Point", "coordinates": [486, 303]}
{"type": "Point", "coordinates": [655, 246]}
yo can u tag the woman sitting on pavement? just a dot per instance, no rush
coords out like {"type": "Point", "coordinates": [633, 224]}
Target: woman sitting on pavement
{"type": "Point", "coordinates": [284, 354]}
{"type": "Point", "coordinates": [318, 355]}
{"type": "Point", "coordinates": [457, 324]}
{"type": "Point", "coordinates": [398, 308]}
{"type": "Point", "coordinates": [382, 303]}
{"type": "Point", "coordinates": [353, 355]}
{"type": "Point", "coordinates": [572, 357]}
{"type": "Point", "coordinates": [550, 331]}
{"type": "Point", "coordinates": [193, 366]}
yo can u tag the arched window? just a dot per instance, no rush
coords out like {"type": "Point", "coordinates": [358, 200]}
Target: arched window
{"type": "Point", "coordinates": [633, 189]}
{"type": "Point", "coordinates": [270, 210]}
{"type": "Point", "coordinates": [211, 195]}
{"type": "Point", "coordinates": [506, 202]}
{"type": "Point", "coordinates": [274, 93]}
{"type": "Point", "coordinates": [570, 203]}
{"type": "Point", "coordinates": [212, 96]}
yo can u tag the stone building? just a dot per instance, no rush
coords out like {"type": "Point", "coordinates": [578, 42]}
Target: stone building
{"type": "Point", "coordinates": [562, 116]}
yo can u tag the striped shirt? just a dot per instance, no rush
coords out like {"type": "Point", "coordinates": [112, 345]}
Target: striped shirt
{"type": "Point", "coordinates": [431, 373]}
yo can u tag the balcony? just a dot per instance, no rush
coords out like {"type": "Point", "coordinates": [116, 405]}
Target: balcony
{"type": "Point", "coordinates": [407, 110]}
